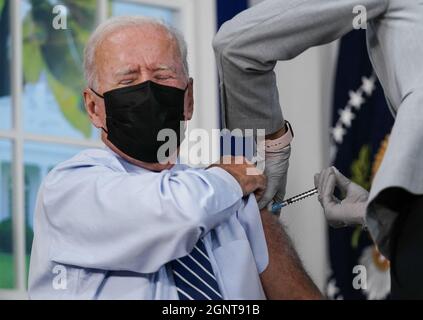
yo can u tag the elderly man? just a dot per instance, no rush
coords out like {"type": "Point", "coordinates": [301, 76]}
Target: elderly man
{"type": "Point", "coordinates": [121, 223]}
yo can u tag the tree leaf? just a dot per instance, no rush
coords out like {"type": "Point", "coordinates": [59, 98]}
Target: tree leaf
{"type": "Point", "coordinates": [355, 238]}
{"type": "Point", "coordinates": [62, 50]}
{"type": "Point", "coordinates": [361, 168]}
{"type": "Point", "coordinates": [70, 105]}
{"type": "Point", "coordinates": [61, 55]}
{"type": "Point", "coordinates": [33, 62]}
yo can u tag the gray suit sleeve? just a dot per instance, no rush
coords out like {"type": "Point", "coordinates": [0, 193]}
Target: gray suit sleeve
{"type": "Point", "coordinates": [396, 50]}
{"type": "Point", "coordinates": [248, 47]}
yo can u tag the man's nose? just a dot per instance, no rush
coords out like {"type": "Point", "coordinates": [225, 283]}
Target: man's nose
{"type": "Point", "coordinates": [146, 76]}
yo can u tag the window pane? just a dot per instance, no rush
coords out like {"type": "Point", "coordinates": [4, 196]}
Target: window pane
{"type": "Point", "coordinates": [120, 8]}
{"type": "Point", "coordinates": [39, 159]}
{"type": "Point", "coordinates": [5, 100]}
{"type": "Point", "coordinates": [52, 64]}
{"type": "Point", "coordinates": [6, 239]}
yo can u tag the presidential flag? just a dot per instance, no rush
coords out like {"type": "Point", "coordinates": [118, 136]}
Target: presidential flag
{"type": "Point", "coordinates": [361, 123]}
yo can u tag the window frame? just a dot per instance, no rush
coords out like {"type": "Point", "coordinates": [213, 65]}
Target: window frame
{"type": "Point", "coordinates": [198, 29]}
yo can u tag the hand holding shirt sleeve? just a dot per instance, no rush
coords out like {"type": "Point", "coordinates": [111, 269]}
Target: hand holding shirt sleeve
{"type": "Point", "coordinates": [103, 219]}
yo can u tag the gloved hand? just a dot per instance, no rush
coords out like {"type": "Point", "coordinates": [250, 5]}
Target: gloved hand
{"type": "Point", "coordinates": [276, 171]}
{"type": "Point", "coordinates": [352, 209]}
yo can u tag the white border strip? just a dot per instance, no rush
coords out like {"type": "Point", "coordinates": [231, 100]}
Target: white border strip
{"type": "Point", "coordinates": [102, 11]}
{"type": "Point", "coordinates": [13, 295]}
{"type": "Point", "coordinates": [173, 4]}
{"type": "Point", "coordinates": [11, 135]}
{"type": "Point", "coordinates": [18, 174]}
{"type": "Point", "coordinates": [63, 140]}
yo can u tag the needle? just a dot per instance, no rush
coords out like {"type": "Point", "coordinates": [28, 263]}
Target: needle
{"type": "Point", "coordinates": [277, 206]}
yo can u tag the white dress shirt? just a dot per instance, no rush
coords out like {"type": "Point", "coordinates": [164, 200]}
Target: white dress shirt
{"type": "Point", "coordinates": [106, 229]}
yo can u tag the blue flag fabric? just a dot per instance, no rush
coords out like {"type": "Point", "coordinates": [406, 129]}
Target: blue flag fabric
{"type": "Point", "coordinates": [226, 10]}
{"type": "Point", "coordinates": [4, 50]}
{"type": "Point", "coordinates": [361, 123]}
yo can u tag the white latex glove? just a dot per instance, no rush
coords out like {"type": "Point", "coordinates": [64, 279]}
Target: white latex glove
{"type": "Point", "coordinates": [349, 211]}
{"type": "Point", "coordinates": [276, 172]}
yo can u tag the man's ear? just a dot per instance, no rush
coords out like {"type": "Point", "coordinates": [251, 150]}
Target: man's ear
{"type": "Point", "coordinates": [189, 100]}
{"type": "Point", "coordinates": [95, 108]}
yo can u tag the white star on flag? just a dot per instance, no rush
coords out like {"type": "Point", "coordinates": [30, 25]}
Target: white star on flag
{"type": "Point", "coordinates": [332, 290]}
{"type": "Point", "coordinates": [346, 117]}
{"type": "Point", "coordinates": [356, 99]}
{"type": "Point", "coordinates": [368, 85]}
{"type": "Point", "coordinates": [338, 133]}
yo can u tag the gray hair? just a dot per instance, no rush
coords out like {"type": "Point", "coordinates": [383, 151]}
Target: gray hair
{"type": "Point", "coordinates": [113, 24]}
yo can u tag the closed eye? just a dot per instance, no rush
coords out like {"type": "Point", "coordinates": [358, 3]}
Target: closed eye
{"type": "Point", "coordinates": [164, 77]}
{"type": "Point", "coordinates": [126, 82]}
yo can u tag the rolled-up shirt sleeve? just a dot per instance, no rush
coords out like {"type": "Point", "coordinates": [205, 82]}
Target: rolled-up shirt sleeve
{"type": "Point", "coordinates": [99, 218]}
{"type": "Point", "coordinates": [249, 218]}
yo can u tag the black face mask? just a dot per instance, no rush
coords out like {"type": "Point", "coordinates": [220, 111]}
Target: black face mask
{"type": "Point", "coordinates": [136, 114]}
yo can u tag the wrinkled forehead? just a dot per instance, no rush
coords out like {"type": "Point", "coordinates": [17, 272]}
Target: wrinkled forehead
{"type": "Point", "coordinates": [148, 46]}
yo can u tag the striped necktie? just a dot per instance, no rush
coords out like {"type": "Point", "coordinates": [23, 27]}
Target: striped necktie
{"type": "Point", "coordinates": [193, 275]}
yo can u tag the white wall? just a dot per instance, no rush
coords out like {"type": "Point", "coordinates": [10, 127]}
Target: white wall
{"type": "Point", "coordinates": [305, 86]}
{"type": "Point", "coordinates": [199, 26]}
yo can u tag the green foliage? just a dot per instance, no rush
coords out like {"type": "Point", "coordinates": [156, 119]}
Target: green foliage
{"type": "Point", "coordinates": [67, 100]}
{"type": "Point", "coordinates": [6, 237]}
{"type": "Point", "coordinates": [1, 5]}
{"type": "Point", "coordinates": [59, 53]}
{"type": "Point", "coordinates": [6, 240]}
{"type": "Point", "coordinates": [361, 174]}
{"type": "Point", "coordinates": [355, 238]}
{"type": "Point", "coordinates": [361, 168]}
{"type": "Point", "coordinates": [33, 62]}
{"type": "Point", "coordinates": [7, 274]}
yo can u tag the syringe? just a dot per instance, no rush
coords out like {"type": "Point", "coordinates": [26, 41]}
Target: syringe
{"type": "Point", "coordinates": [277, 206]}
